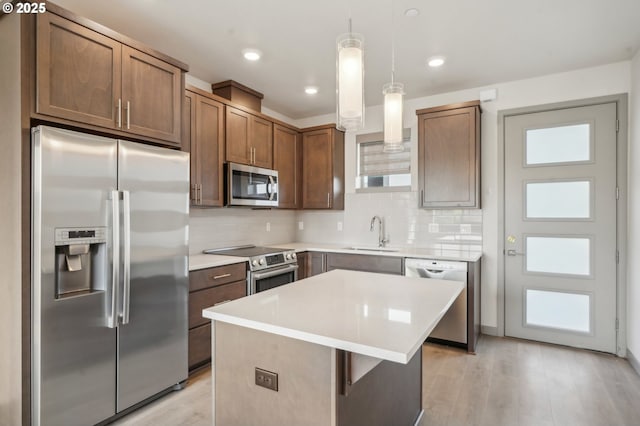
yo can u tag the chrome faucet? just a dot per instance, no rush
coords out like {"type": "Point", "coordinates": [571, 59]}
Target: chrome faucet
{"type": "Point", "coordinates": [381, 237]}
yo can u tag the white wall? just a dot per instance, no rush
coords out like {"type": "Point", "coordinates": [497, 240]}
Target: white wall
{"type": "Point", "coordinates": [579, 84]}
{"type": "Point", "coordinates": [633, 276]}
{"type": "Point", "coordinates": [10, 225]}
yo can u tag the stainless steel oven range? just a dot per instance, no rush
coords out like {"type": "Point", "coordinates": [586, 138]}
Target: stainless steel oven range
{"type": "Point", "coordinates": [269, 267]}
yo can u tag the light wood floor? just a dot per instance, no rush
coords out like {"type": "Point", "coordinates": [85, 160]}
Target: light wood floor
{"type": "Point", "coordinates": [509, 382]}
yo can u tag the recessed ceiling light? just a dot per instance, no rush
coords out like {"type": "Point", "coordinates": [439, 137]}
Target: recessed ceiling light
{"type": "Point", "coordinates": [251, 54]}
{"type": "Point", "coordinates": [435, 61]}
{"type": "Point", "coordinates": [412, 12]}
{"type": "Point", "coordinates": [310, 90]}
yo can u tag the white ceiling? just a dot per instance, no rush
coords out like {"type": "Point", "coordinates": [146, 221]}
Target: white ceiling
{"type": "Point", "coordinates": [485, 42]}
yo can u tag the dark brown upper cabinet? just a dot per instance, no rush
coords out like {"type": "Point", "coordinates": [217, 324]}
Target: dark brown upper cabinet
{"type": "Point", "coordinates": [93, 79]}
{"type": "Point", "coordinates": [287, 160]}
{"type": "Point", "coordinates": [204, 119]}
{"type": "Point", "coordinates": [323, 168]}
{"type": "Point", "coordinates": [249, 138]}
{"type": "Point", "coordinates": [449, 156]}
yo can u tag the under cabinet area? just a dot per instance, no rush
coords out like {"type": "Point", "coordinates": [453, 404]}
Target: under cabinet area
{"type": "Point", "coordinates": [203, 137]}
{"type": "Point", "coordinates": [323, 168]}
{"type": "Point", "coordinates": [449, 156]}
{"type": "Point", "coordinates": [209, 287]}
{"type": "Point", "coordinates": [88, 77]}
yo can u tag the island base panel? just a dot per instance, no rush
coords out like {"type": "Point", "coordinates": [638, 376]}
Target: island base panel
{"type": "Point", "coordinates": [305, 381]}
{"type": "Point", "coordinates": [309, 377]}
{"type": "Point", "coordinates": [389, 394]}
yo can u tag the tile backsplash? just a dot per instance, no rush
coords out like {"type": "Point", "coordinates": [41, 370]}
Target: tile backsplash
{"type": "Point", "coordinates": [225, 227]}
{"type": "Point", "coordinates": [405, 224]}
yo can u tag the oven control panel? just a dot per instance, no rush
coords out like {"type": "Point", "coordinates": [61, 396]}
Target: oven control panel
{"type": "Point", "coordinates": [257, 263]}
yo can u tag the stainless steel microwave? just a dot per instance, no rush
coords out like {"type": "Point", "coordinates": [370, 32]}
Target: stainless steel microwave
{"type": "Point", "coordinates": [250, 186]}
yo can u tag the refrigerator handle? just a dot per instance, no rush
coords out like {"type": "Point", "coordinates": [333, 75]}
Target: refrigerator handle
{"type": "Point", "coordinates": [112, 320]}
{"type": "Point", "coordinates": [126, 216]}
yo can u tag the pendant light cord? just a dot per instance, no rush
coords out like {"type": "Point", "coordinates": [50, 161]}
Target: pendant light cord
{"type": "Point", "coordinates": [393, 47]}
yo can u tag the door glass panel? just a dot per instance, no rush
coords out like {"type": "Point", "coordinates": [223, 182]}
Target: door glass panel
{"type": "Point", "coordinates": [568, 311]}
{"type": "Point", "coordinates": [558, 200]}
{"type": "Point", "coordinates": [564, 144]}
{"type": "Point", "coordinates": [558, 255]}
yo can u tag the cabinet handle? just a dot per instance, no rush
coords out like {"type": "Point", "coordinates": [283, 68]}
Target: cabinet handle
{"type": "Point", "coordinates": [328, 199]}
{"type": "Point", "coordinates": [128, 115]}
{"type": "Point", "coordinates": [217, 277]}
{"type": "Point", "coordinates": [421, 197]}
{"type": "Point", "coordinates": [199, 193]}
{"type": "Point", "coordinates": [253, 155]}
{"type": "Point", "coordinates": [120, 113]}
{"type": "Point", "coordinates": [194, 192]}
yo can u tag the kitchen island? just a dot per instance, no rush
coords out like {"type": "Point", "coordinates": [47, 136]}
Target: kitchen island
{"type": "Point", "coordinates": [340, 348]}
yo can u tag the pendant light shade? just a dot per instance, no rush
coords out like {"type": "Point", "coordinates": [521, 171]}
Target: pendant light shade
{"type": "Point", "coordinates": [350, 81]}
{"type": "Point", "coordinates": [393, 94]}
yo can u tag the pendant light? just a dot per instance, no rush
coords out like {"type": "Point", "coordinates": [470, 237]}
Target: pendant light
{"type": "Point", "coordinates": [393, 93]}
{"type": "Point", "coordinates": [350, 81]}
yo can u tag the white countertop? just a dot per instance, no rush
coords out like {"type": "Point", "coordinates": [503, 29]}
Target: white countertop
{"type": "Point", "coordinates": [377, 315]}
{"type": "Point", "coordinates": [462, 254]}
{"type": "Point", "coordinates": [203, 261]}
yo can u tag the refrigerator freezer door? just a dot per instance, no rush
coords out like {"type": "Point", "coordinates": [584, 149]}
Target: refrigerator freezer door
{"type": "Point", "coordinates": [73, 349]}
{"type": "Point", "coordinates": [152, 344]}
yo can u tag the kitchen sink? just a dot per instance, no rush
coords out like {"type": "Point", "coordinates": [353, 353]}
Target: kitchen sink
{"type": "Point", "coordinates": [380, 249]}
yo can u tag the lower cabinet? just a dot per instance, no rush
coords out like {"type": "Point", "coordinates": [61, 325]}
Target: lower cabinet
{"type": "Point", "coordinates": [209, 287]}
{"type": "Point", "coordinates": [303, 261]}
{"type": "Point", "coordinates": [317, 263]}
{"type": "Point", "coordinates": [365, 263]}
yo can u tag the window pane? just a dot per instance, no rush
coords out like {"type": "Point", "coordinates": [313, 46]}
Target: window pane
{"type": "Point", "coordinates": [561, 255]}
{"type": "Point", "coordinates": [559, 200]}
{"type": "Point", "coordinates": [568, 311]}
{"type": "Point", "coordinates": [565, 144]}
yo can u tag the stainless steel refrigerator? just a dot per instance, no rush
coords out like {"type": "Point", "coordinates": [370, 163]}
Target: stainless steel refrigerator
{"type": "Point", "coordinates": [110, 274]}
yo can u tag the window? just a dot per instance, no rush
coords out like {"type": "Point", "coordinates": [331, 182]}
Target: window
{"type": "Point", "coordinates": [379, 170]}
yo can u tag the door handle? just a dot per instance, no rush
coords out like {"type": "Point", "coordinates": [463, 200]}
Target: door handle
{"type": "Point", "coordinates": [112, 321]}
{"type": "Point", "coordinates": [120, 113]}
{"type": "Point", "coordinates": [126, 215]}
{"type": "Point", "coordinates": [511, 252]}
{"type": "Point", "coordinates": [128, 115]}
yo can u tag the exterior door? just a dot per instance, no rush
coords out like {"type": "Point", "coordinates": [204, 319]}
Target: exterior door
{"type": "Point", "coordinates": [560, 226]}
{"type": "Point", "coordinates": [152, 335]}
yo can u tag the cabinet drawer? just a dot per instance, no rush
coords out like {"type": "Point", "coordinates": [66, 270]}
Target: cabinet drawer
{"type": "Point", "coordinates": [211, 277]}
{"type": "Point", "coordinates": [199, 345]}
{"type": "Point", "coordinates": [367, 263]}
{"type": "Point", "coordinates": [199, 300]}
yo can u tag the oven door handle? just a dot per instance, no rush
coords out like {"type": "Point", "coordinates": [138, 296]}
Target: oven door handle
{"type": "Point", "coordinates": [273, 272]}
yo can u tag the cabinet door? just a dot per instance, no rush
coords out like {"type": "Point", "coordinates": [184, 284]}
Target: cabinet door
{"type": "Point", "coordinates": [317, 179]}
{"type": "Point", "coordinates": [317, 263]}
{"type": "Point", "coordinates": [237, 136]}
{"type": "Point", "coordinates": [448, 153]}
{"type": "Point", "coordinates": [188, 141]}
{"type": "Point", "coordinates": [209, 156]}
{"type": "Point", "coordinates": [151, 96]}
{"type": "Point", "coordinates": [261, 141]}
{"type": "Point", "coordinates": [78, 72]}
{"type": "Point", "coordinates": [287, 160]}
{"type": "Point", "coordinates": [303, 265]}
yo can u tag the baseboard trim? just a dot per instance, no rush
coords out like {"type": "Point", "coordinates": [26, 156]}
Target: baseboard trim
{"type": "Point", "coordinates": [633, 361]}
{"type": "Point", "coordinates": [491, 331]}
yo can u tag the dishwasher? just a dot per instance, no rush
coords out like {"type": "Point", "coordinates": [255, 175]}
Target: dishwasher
{"type": "Point", "coordinates": [453, 325]}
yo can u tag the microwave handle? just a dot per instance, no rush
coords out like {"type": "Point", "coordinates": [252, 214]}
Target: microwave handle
{"type": "Point", "coordinates": [272, 183]}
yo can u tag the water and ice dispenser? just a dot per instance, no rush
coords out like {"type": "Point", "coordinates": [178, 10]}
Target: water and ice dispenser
{"type": "Point", "coordinates": [81, 261]}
